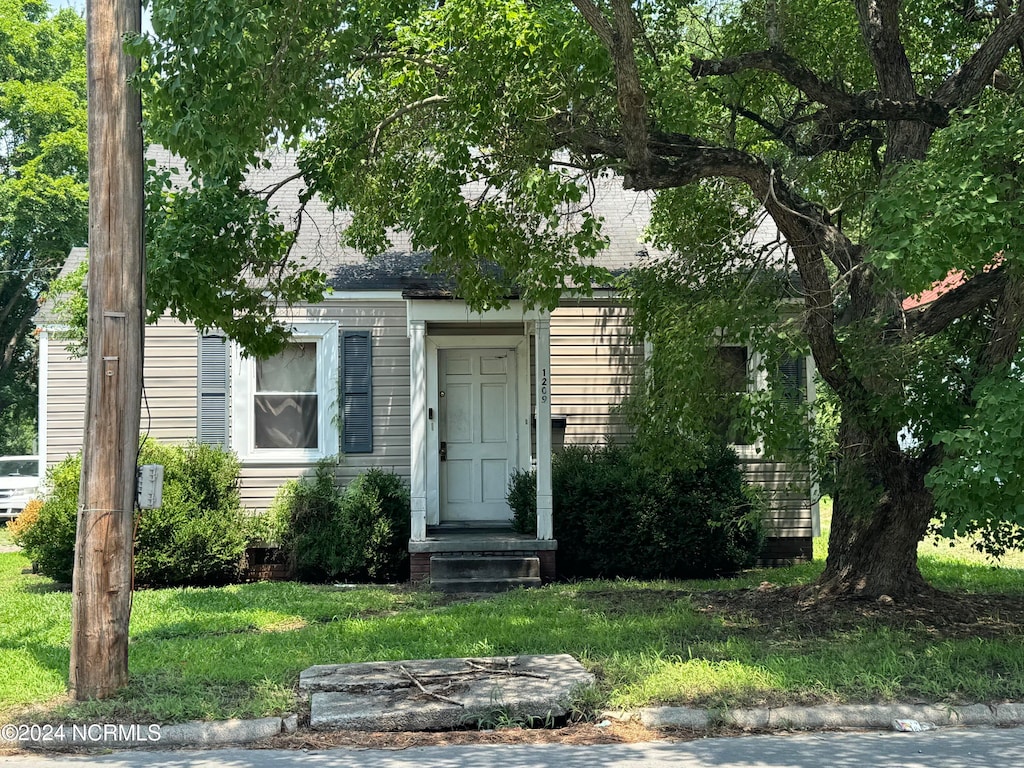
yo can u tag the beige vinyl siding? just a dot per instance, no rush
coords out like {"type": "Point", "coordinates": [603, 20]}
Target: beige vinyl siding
{"type": "Point", "coordinates": [65, 402]}
{"type": "Point", "coordinates": [171, 381]}
{"type": "Point", "coordinates": [593, 358]}
{"type": "Point", "coordinates": [171, 369]}
{"type": "Point", "coordinates": [786, 490]}
{"type": "Point", "coordinates": [169, 408]}
{"type": "Point", "coordinates": [386, 320]}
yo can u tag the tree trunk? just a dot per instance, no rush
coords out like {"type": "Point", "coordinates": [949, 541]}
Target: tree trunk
{"type": "Point", "coordinates": [881, 511]}
{"type": "Point", "coordinates": [102, 581]}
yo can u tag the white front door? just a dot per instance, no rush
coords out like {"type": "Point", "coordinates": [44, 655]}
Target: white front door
{"type": "Point", "coordinates": [477, 405]}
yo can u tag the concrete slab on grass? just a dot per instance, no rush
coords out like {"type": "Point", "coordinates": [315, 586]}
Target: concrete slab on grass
{"type": "Point", "coordinates": [435, 694]}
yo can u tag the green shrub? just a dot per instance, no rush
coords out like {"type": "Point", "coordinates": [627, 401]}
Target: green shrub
{"type": "Point", "coordinates": [309, 515]}
{"type": "Point", "coordinates": [196, 537]}
{"type": "Point", "coordinates": [50, 542]}
{"type": "Point", "coordinates": [616, 516]}
{"type": "Point", "coordinates": [357, 533]}
{"type": "Point", "coordinates": [522, 500]}
{"type": "Point", "coordinates": [379, 521]}
{"type": "Point", "coordinates": [199, 533]}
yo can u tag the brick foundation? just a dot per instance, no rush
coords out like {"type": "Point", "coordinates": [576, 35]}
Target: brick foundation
{"type": "Point", "coordinates": [786, 550]}
{"type": "Point", "coordinates": [419, 567]}
{"type": "Point", "coordinates": [419, 562]}
{"type": "Point", "coordinates": [547, 565]}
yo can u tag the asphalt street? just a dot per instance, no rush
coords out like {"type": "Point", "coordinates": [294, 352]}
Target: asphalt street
{"type": "Point", "coordinates": [944, 748]}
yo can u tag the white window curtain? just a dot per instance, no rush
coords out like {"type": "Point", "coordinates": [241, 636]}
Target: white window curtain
{"type": "Point", "coordinates": [285, 403]}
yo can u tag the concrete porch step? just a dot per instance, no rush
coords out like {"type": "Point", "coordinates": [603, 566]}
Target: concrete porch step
{"type": "Point", "coordinates": [483, 573]}
{"type": "Point", "coordinates": [453, 586]}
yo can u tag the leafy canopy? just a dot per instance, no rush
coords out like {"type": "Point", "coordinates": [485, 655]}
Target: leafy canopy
{"type": "Point", "coordinates": [43, 174]}
{"type": "Point", "coordinates": [881, 138]}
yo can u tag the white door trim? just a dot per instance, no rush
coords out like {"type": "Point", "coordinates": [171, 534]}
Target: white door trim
{"type": "Point", "coordinates": [520, 345]}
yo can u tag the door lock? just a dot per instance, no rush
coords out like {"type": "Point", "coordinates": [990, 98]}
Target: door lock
{"type": "Point", "coordinates": [443, 452]}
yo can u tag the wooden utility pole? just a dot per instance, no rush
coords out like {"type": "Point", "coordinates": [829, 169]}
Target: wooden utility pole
{"type": "Point", "coordinates": [103, 547]}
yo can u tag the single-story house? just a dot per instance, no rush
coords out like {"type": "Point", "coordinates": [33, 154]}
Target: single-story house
{"type": "Point", "coordinates": [392, 371]}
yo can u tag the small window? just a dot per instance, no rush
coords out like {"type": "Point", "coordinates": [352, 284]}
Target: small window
{"type": "Point", "coordinates": [285, 407]}
{"type": "Point", "coordinates": [792, 380]}
{"type": "Point", "coordinates": [732, 379]}
{"type": "Point", "coordinates": [286, 403]}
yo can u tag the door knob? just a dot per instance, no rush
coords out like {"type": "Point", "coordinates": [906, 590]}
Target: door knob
{"type": "Point", "coordinates": [444, 451]}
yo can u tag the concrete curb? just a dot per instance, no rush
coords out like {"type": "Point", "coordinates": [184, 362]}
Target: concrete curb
{"type": "Point", "coordinates": [220, 733]}
{"type": "Point", "coordinates": [133, 736]}
{"type": "Point", "coordinates": [830, 716]}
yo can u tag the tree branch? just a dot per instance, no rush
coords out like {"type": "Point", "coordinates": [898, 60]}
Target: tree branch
{"type": "Point", "coordinates": [423, 61]}
{"type": "Point", "coordinates": [273, 189]}
{"type": "Point", "coordinates": [977, 72]}
{"type": "Point", "coordinates": [824, 141]}
{"type": "Point", "coordinates": [630, 96]}
{"type": "Point", "coordinates": [401, 112]}
{"type": "Point", "coordinates": [880, 28]}
{"type": "Point", "coordinates": [1004, 339]}
{"type": "Point", "coordinates": [12, 343]}
{"type": "Point", "coordinates": [907, 136]}
{"type": "Point", "coordinates": [778, 62]}
{"type": "Point", "coordinates": [16, 295]}
{"type": "Point", "coordinates": [597, 21]}
{"type": "Point", "coordinates": [935, 317]}
{"type": "Point", "coordinates": [678, 159]}
{"type": "Point", "coordinates": [865, 105]}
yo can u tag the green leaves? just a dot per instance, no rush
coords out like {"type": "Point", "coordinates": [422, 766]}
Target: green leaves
{"type": "Point", "coordinates": [427, 120]}
{"type": "Point", "coordinates": [43, 174]}
{"type": "Point", "coordinates": [980, 486]}
{"type": "Point", "coordinates": [220, 258]}
{"type": "Point", "coordinates": [961, 206]}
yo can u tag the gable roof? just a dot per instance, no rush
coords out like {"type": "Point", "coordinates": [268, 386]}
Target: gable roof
{"type": "Point", "coordinates": [625, 216]}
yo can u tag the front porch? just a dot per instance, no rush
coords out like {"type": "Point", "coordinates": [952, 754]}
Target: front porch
{"type": "Point", "coordinates": [479, 382]}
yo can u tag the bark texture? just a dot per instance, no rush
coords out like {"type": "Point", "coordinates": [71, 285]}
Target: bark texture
{"type": "Point", "coordinates": [102, 581]}
{"type": "Point", "coordinates": [882, 508]}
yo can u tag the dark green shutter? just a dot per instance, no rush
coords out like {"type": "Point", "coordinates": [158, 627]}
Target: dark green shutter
{"type": "Point", "coordinates": [357, 394]}
{"type": "Point", "coordinates": [214, 376]}
{"type": "Point", "coordinates": [792, 377]}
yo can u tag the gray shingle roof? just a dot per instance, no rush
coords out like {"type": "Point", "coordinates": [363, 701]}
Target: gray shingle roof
{"type": "Point", "coordinates": [625, 216]}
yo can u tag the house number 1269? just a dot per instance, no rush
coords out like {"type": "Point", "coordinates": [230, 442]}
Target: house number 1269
{"type": "Point", "coordinates": [543, 385]}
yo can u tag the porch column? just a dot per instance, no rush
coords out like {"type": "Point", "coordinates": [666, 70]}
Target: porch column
{"type": "Point", "coordinates": [543, 357]}
{"type": "Point", "coordinates": [418, 424]}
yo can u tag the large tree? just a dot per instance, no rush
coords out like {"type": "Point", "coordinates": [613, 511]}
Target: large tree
{"type": "Point", "coordinates": [43, 201]}
{"type": "Point", "coordinates": [882, 138]}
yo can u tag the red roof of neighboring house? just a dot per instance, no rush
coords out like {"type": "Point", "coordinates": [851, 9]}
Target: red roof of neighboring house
{"type": "Point", "coordinates": [947, 284]}
{"type": "Point", "coordinates": [954, 279]}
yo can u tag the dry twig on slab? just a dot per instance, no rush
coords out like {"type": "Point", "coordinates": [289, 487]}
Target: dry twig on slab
{"type": "Point", "coordinates": [419, 685]}
{"type": "Point", "coordinates": [496, 671]}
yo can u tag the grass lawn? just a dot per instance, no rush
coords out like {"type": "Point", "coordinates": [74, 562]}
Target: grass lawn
{"type": "Point", "coordinates": [5, 537]}
{"type": "Point", "coordinates": [237, 651]}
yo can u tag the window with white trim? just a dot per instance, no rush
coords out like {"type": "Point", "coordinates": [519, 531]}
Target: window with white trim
{"type": "Point", "coordinates": [285, 406]}
{"type": "Point", "coordinates": [286, 402]}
